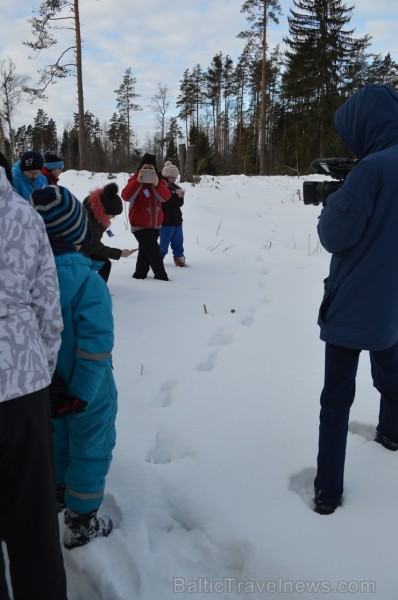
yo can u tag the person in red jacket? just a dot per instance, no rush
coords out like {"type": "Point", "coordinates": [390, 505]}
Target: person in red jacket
{"type": "Point", "coordinates": [52, 168]}
{"type": "Point", "coordinates": [146, 216]}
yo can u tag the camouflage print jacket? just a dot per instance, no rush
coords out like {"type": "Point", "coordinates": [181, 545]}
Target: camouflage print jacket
{"type": "Point", "coordinates": [30, 312]}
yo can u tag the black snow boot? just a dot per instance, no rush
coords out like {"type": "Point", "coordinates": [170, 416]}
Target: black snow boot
{"type": "Point", "coordinates": [386, 441]}
{"type": "Point", "coordinates": [60, 496]}
{"type": "Point", "coordinates": [81, 529]}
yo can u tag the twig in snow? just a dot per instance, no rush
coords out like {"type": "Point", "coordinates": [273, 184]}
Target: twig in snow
{"type": "Point", "coordinates": [211, 249]}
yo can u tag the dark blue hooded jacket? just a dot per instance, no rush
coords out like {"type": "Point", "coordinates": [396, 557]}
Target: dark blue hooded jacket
{"type": "Point", "coordinates": [359, 226]}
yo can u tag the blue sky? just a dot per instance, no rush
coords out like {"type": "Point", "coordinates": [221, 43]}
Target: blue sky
{"type": "Point", "coordinates": [159, 41]}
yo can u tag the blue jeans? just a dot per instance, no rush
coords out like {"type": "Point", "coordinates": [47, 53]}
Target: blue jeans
{"type": "Point", "coordinates": [337, 396]}
{"type": "Point", "coordinates": [171, 235]}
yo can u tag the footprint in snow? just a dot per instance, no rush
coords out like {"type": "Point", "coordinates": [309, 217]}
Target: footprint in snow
{"type": "Point", "coordinates": [366, 431]}
{"type": "Point", "coordinates": [222, 337]}
{"type": "Point", "coordinates": [165, 396]}
{"type": "Point", "coordinates": [167, 449]}
{"type": "Point", "coordinates": [209, 364]}
{"type": "Point", "coordinates": [247, 320]}
{"type": "Point", "coordinates": [302, 483]}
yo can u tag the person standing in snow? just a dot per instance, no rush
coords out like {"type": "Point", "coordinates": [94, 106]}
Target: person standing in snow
{"type": "Point", "coordinates": [171, 233]}
{"type": "Point", "coordinates": [146, 216]}
{"type": "Point", "coordinates": [26, 174]}
{"type": "Point", "coordinates": [359, 310]}
{"type": "Point", "coordinates": [30, 336]}
{"type": "Point", "coordinates": [101, 206]}
{"type": "Point", "coordinates": [52, 168]}
{"type": "Point", "coordinates": [83, 391]}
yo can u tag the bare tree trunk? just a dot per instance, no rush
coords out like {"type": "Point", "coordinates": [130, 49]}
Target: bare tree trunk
{"type": "Point", "coordinates": [182, 155]}
{"type": "Point", "coordinates": [189, 164]}
{"type": "Point", "coordinates": [262, 104]}
{"type": "Point", "coordinates": [80, 99]}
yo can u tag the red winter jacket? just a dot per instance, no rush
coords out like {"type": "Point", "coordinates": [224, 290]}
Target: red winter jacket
{"type": "Point", "coordinates": [51, 178]}
{"type": "Point", "coordinates": [145, 211]}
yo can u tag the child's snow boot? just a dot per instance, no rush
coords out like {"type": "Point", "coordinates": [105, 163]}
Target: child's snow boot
{"type": "Point", "coordinates": [179, 261]}
{"type": "Point", "coordinates": [81, 529]}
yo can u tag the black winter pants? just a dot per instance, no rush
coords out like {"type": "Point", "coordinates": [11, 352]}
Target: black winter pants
{"type": "Point", "coordinates": [149, 255]}
{"type": "Point", "coordinates": [105, 270]}
{"type": "Point", "coordinates": [28, 513]}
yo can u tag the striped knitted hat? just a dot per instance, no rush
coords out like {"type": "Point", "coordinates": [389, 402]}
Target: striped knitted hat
{"type": "Point", "coordinates": [63, 214]}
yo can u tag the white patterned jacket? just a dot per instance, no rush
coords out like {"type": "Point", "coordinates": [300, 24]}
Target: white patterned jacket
{"type": "Point", "coordinates": [30, 312]}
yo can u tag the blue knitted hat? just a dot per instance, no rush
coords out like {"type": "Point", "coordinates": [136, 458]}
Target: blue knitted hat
{"type": "Point", "coordinates": [63, 214]}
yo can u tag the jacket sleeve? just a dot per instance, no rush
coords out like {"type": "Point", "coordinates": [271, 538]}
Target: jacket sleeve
{"type": "Point", "coordinates": [94, 338]}
{"type": "Point", "coordinates": [174, 202]}
{"type": "Point", "coordinates": [46, 301]}
{"type": "Point", "coordinates": [96, 246]}
{"type": "Point", "coordinates": [131, 187]}
{"type": "Point", "coordinates": [344, 218]}
{"type": "Point", "coordinates": [163, 191]}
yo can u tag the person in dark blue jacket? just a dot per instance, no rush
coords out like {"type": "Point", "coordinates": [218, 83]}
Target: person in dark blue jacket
{"type": "Point", "coordinates": [83, 391]}
{"type": "Point", "coordinates": [359, 311]}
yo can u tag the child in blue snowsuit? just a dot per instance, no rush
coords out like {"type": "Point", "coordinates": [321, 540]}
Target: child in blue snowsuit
{"type": "Point", "coordinates": [83, 391]}
{"type": "Point", "coordinates": [26, 174]}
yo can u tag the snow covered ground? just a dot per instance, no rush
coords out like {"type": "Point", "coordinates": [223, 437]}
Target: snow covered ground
{"type": "Point", "coordinates": [219, 373]}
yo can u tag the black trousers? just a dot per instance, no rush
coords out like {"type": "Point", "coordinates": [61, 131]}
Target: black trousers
{"type": "Point", "coordinates": [105, 270]}
{"type": "Point", "coordinates": [337, 396]}
{"type": "Point", "coordinates": [28, 513]}
{"type": "Point", "coordinates": [149, 255]}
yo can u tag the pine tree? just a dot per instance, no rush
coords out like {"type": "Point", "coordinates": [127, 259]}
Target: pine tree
{"type": "Point", "coordinates": [259, 12]}
{"type": "Point", "coordinates": [171, 142]}
{"type": "Point", "coordinates": [50, 14]}
{"type": "Point", "coordinates": [126, 95]}
{"type": "Point", "coordinates": [319, 49]}
{"type": "Point", "coordinates": [185, 100]}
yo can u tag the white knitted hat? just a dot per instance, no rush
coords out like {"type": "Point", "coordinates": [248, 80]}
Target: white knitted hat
{"type": "Point", "coordinates": [170, 170]}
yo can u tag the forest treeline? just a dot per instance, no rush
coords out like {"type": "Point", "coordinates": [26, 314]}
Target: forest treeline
{"type": "Point", "coordinates": [265, 113]}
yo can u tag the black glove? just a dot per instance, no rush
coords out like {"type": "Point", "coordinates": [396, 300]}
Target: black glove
{"type": "Point", "coordinates": [63, 405]}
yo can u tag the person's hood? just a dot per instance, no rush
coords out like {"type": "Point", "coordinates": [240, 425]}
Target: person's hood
{"type": "Point", "coordinates": [93, 203]}
{"type": "Point", "coordinates": [6, 190]}
{"type": "Point", "coordinates": [73, 269]}
{"type": "Point", "coordinates": [368, 121]}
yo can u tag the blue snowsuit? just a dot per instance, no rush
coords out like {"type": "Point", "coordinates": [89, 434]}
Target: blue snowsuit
{"type": "Point", "coordinates": [23, 185]}
{"type": "Point", "coordinates": [84, 442]}
{"type": "Point", "coordinates": [359, 311]}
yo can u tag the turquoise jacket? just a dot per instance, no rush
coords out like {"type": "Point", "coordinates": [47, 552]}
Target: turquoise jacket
{"type": "Point", "coordinates": [25, 186]}
{"type": "Point", "coordinates": [84, 442]}
{"type": "Point", "coordinates": [359, 226]}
